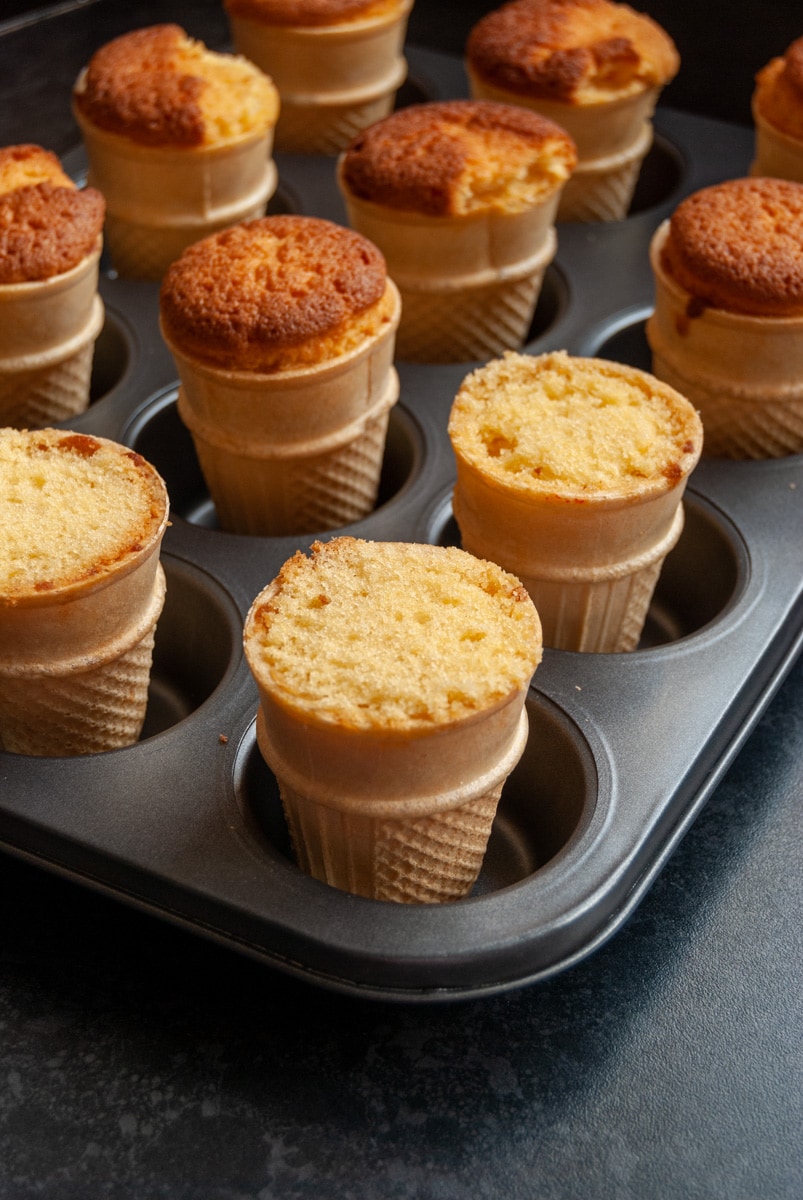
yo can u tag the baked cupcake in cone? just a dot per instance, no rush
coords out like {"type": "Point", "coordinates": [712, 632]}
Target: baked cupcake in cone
{"type": "Point", "coordinates": [179, 142]}
{"type": "Point", "coordinates": [282, 330]}
{"type": "Point", "coordinates": [337, 63]}
{"type": "Point", "coordinates": [778, 116]}
{"type": "Point", "coordinates": [50, 310]}
{"type": "Point", "coordinates": [593, 66]}
{"type": "Point", "coordinates": [81, 590]}
{"type": "Point", "coordinates": [727, 329]}
{"type": "Point", "coordinates": [392, 679]}
{"type": "Point", "coordinates": [460, 196]}
{"type": "Point", "coordinates": [570, 474]}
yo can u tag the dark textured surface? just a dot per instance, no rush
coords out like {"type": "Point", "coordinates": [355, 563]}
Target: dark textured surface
{"type": "Point", "coordinates": [139, 1062]}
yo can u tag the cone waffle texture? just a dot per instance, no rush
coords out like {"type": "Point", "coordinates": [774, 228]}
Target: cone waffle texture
{"type": "Point", "coordinates": [293, 495]}
{"type": "Point", "coordinates": [603, 191]}
{"type": "Point", "coordinates": [326, 128]}
{"type": "Point", "coordinates": [80, 712]}
{"type": "Point", "coordinates": [425, 861]}
{"type": "Point", "coordinates": [469, 324]}
{"type": "Point", "coordinates": [47, 394]}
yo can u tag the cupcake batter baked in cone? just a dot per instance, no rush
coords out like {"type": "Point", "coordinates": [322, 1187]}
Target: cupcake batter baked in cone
{"type": "Point", "coordinates": [778, 116]}
{"type": "Point", "coordinates": [460, 196]}
{"type": "Point", "coordinates": [283, 331]}
{"type": "Point", "coordinates": [570, 474]}
{"type": "Point", "coordinates": [727, 330]}
{"type": "Point", "coordinates": [179, 141]}
{"type": "Point", "coordinates": [593, 66]}
{"type": "Point", "coordinates": [337, 63]}
{"type": "Point", "coordinates": [50, 310]}
{"type": "Point", "coordinates": [392, 679]}
{"type": "Point", "coordinates": [81, 590]}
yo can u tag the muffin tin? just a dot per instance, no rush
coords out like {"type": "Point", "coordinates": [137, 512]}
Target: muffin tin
{"type": "Point", "coordinates": [623, 751]}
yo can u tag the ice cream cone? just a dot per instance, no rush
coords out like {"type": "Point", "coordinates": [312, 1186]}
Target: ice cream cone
{"type": "Point", "coordinates": [742, 372]}
{"type": "Point", "coordinates": [159, 200]}
{"type": "Point", "coordinates": [48, 330]}
{"type": "Point", "coordinates": [334, 80]}
{"type": "Point", "coordinates": [612, 140]}
{"type": "Point", "coordinates": [394, 809]}
{"type": "Point", "coordinates": [292, 451]}
{"type": "Point", "coordinates": [75, 656]}
{"type": "Point", "coordinates": [469, 285]}
{"type": "Point", "coordinates": [776, 153]}
{"type": "Point", "coordinates": [570, 475]}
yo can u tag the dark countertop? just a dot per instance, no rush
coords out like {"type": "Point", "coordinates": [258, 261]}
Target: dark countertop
{"type": "Point", "coordinates": [140, 1062]}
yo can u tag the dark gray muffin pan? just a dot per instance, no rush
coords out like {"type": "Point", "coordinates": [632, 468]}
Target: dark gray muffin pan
{"type": "Point", "coordinates": [624, 750]}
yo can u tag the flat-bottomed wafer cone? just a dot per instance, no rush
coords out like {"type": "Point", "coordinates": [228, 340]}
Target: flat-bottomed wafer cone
{"type": "Point", "coordinates": [742, 372]}
{"type": "Point", "coordinates": [776, 153]}
{"type": "Point", "coordinates": [48, 331]}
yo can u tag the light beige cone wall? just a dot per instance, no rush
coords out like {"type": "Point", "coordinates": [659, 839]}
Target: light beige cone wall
{"type": "Point", "coordinates": [590, 569]}
{"type": "Point", "coordinates": [469, 285]}
{"type": "Point", "coordinates": [404, 818]}
{"type": "Point", "coordinates": [160, 200]}
{"type": "Point", "coordinates": [777, 155]}
{"type": "Point", "coordinates": [293, 451]}
{"type": "Point", "coordinates": [612, 141]}
{"type": "Point", "coordinates": [48, 331]}
{"type": "Point", "coordinates": [333, 80]}
{"type": "Point", "coordinates": [75, 665]}
{"type": "Point", "coordinates": [744, 374]}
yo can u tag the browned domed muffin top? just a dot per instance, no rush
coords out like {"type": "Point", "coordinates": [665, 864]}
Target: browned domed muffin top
{"type": "Point", "coordinates": [779, 91]}
{"type": "Point", "coordinates": [571, 51]}
{"type": "Point", "coordinates": [159, 87]}
{"type": "Point", "coordinates": [309, 12]}
{"type": "Point", "coordinates": [274, 294]}
{"type": "Point", "coordinates": [739, 246]}
{"type": "Point", "coordinates": [47, 226]}
{"type": "Point", "coordinates": [453, 157]}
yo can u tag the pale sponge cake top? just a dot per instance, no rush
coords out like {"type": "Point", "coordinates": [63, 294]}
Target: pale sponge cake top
{"type": "Point", "coordinates": [556, 425]}
{"type": "Point", "coordinates": [778, 96]}
{"type": "Point", "coordinates": [392, 635]}
{"type": "Point", "coordinates": [454, 158]}
{"type": "Point", "coordinates": [738, 246]}
{"type": "Point", "coordinates": [159, 87]}
{"type": "Point", "coordinates": [47, 226]}
{"type": "Point", "coordinates": [276, 294]}
{"type": "Point", "coordinates": [73, 509]}
{"type": "Point", "coordinates": [571, 51]}
{"type": "Point", "coordinates": [303, 13]}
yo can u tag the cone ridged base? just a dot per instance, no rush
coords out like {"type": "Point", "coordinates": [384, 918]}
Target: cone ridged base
{"type": "Point", "coordinates": [46, 395]}
{"type": "Point", "coordinates": [467, 325]}
{"type": "Point", "coordinates": [603, 191]}
{"type": "Point", "coordinates": [416, 861]}
{"type": "Point", "coordinates": [327, 128]}
{"type": "Point", "coordinates": [277, 497]}
{"type": "Point", "coordinates": [82, 712]}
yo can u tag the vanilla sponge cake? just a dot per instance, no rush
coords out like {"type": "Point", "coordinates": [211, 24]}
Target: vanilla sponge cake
{"type": "Point", "coordinates": [47, 225]}
{"type": "Point", "coordinates": [159, 87]}
{"type": "Point", "coordinates": [576, 52]}
{"type": "Point", "coordinates": [778, 95]}
{"type": "Point", "coordinates": [392, 636]}
{"type": "Point", "coordinates": [738, 246]}
{"type": "Point", "coordinates": [276, 294]}
{"type": "Point", "coordinates": [554, 426]}
{"type": "Point", "coordinates": [74, 509]}
{"type": "Point", "coordinates": [455, 158]}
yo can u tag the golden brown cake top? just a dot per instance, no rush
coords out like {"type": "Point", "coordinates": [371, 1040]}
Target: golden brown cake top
{"type": "Point", "coordinates": [303, 13]}
{"type": "Point", "coordinates": [738, 245]}
{"type": "Point", "coordinates": [559, 426]}
{"type": "Point", "coordinates": [392, 635]}
{"type": "Point", "coordinates": [276, 294]}
{"type": "Point", "coordinates": [779, 91]}
{"type": "Point", "coordinates": [456, 157]}
{"type": "Point", "coordinates": [158, 87]}
{"type": "Point", "coordinates": [47, 226]}
{"type": "Point", "coordinates": [73, 509]}
{"type": "Point", "coordinates": [571, 51]}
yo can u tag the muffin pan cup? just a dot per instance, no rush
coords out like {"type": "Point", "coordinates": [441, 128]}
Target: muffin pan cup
{"type": "Point", "coordinates": [623, 749]}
